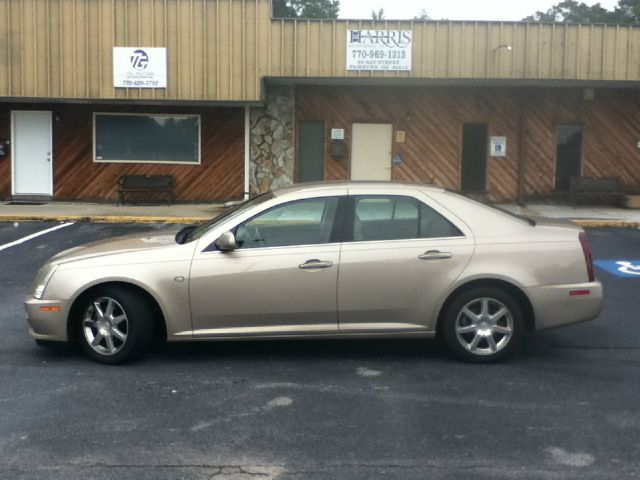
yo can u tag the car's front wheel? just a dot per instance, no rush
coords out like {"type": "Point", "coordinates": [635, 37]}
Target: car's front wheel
{"type": "Point", "coordinates": [483, 325]}
{"type": "Point", "coordinates": [115, 324]}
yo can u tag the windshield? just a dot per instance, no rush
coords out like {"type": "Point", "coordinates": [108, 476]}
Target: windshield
{"type": "Point", "coordinates": [228, 214]}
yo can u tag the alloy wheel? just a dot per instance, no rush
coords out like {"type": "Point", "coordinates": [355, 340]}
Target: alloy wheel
{"type": "Point", "coordinates": [484, 326]}
{"type": "Point", "coordinates": [106, 326]}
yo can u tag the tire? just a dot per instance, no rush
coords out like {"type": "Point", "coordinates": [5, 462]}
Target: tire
{"type": "Point", "coordinates": [114, 325]}
{"type": "Point", "coordinates": [483, 325]}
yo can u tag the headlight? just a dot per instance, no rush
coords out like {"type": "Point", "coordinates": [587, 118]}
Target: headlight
{"type": "Point", "coordinates": [43, 277]}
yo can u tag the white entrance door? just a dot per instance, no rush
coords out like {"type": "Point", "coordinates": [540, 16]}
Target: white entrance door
{"type": "Point", "coordinates": [371, 151]}
{"type": "Point", "coordinates": [31, 146]}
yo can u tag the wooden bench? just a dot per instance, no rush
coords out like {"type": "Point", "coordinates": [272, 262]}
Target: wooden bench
{"type": "Point", "coordinates": [147, 184]}
{"type": "Point", "coordinates": [595, 186]}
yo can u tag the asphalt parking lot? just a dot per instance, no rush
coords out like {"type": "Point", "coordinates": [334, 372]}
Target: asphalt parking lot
{"type": "Point", "coordinates": [567, 406]}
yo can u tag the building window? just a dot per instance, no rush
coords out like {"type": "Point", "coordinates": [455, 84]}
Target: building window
{"type": "Point", "coordinates": [146, 138]}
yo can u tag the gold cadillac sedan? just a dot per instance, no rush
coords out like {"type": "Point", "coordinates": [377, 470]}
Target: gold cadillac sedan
{"type": "Point", "coordinates": [330, 260]}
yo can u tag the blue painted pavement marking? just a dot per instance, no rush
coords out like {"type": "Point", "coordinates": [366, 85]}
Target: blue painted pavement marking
{"type": "Point", "coordinates": [620, 268]}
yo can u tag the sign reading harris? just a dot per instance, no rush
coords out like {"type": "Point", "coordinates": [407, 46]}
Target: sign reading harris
{"type": "Point", "coordinates": [384, 50]}
{"type": "Point", "coordinates": [136, 67]}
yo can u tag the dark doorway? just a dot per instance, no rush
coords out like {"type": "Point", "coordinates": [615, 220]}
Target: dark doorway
{"type": "Point", "coordinates": [311, 148]}
{"type": "Point", "coordinates": [568, 155]}
{"type": "Point", "coordinates": [474, 157]}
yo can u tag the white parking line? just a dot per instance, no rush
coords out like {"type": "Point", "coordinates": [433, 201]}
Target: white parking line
{"type": "Point", "coordinates": [34, 235]}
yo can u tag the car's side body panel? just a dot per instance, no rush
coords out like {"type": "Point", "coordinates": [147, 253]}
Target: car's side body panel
{"type": "Point", "coordinates": [264, 290]}
{"type": "Point", "coordinates": [162, 272]}
{"type": "Point", "coordinates": [386, 285]}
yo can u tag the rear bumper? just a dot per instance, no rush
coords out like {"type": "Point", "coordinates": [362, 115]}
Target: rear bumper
{"type": "Point", "coordinates": [559, 305]}
{"type": "Point", "coordinates": [46, 325]}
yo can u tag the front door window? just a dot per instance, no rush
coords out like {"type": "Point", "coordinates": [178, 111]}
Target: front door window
{"type": "Point", "coordinates": [303, 222]}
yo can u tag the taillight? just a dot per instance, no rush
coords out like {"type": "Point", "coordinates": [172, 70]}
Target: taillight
{"type": "Point", "coordinates": [587, 255]}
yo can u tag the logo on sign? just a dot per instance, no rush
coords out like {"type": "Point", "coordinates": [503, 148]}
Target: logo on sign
{"type": "Point", "coordinates": [139, 60]}
{"type": "Point", "coordinates": [387, 38]}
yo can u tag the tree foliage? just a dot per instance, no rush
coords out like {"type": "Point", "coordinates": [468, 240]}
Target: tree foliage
{"type": "Point", "coordinates": [572, 11]}
{"type": "Point", "coordinates": [379, 15]}
{"type": "Point", "coordinates": [422, 15]}
{"type": "Point", "coordinates": [306, 8]}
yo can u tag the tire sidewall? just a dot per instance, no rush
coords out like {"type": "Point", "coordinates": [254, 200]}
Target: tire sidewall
{"type": "Point", "coordinates": [140, 324]}
{"type": "Point", "coordinates": [449, 325]}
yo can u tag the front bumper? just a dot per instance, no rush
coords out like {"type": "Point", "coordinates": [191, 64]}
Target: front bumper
{"type": "Point", "coordinates": [46, 325]}
{"type": "Point", "coordinates": [556, 306]}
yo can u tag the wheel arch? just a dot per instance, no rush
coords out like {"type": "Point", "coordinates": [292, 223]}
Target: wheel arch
{"type": "Point", "coordinates": [160, 326]}
{"type": "Point", "coordinates": [515, 291]}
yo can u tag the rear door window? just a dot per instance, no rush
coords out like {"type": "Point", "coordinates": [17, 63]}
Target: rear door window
{"type": "Point", "coordinates": [397, 218]}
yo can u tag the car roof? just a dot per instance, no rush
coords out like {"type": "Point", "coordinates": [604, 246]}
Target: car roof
{"type": "Point", "coordinates": [311, 186]}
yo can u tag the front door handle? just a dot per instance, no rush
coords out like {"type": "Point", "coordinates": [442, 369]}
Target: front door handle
{"type": "Point", "coordinates": [315, 263]}
{"type": "Point", "coordinates": [435, 255]}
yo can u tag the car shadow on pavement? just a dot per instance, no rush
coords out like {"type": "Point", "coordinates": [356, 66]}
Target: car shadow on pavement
{"type": "Point", "coordinates": [278, 350]}
{"type": "Point", "coordinates": [301, 350]}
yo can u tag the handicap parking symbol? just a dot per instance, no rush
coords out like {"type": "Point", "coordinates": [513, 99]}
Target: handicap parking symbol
{"type": "Point", "coordinates": [620, 268]}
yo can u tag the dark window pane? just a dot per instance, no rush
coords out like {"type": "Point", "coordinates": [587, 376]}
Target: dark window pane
{"type": "Point", "coordinates": [397, 218]}
{"type": "Point", "coordinates": [434, 225]}
{"type": "Point", "coordinates": [304, 222]}
{"type": "Point", "coordinates": [147, 138]}
{"type": "Point", "coordinates": [568, 154]}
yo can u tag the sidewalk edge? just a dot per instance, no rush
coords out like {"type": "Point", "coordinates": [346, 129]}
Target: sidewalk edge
{"type": "Point", "coordinates": [102, 219]}
{"type": "Point", "coordinates": [603, 223]}
{"type": "Point", "coordinates": [587, 223]}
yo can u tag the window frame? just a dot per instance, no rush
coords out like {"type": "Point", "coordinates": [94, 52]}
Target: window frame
{"type": "Point", "coordinates": [136, 114]}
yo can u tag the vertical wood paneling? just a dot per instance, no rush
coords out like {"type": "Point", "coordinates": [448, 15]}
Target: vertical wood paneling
{"type": "Point", "coordinates": [220, 50]}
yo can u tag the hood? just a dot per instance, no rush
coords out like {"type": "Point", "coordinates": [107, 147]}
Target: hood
{"type": "Point", "coordinates": [125, 244]}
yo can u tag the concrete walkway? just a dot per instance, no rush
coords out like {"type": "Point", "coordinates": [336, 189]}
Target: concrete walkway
{"type": "Point", "coordinates": [194, 213]}
{"type": "Point", "coordinates": [587, 216]}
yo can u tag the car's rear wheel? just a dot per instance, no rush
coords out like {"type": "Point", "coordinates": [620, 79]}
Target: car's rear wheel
{"type": "Point", "coordinates": [115, 325]}
{"type": "Point", "coordinates": [483, 324]}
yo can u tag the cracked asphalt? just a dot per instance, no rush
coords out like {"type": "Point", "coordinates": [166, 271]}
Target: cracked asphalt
{"type": "Point", "coordinates": [567, 406]}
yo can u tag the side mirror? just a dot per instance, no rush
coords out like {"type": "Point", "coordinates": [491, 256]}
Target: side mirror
{"type": "Point", "coordinates": [226, 242]}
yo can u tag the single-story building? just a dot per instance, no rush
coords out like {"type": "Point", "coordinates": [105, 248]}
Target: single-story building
{"type": "Point", "coordinates": [229, 100]}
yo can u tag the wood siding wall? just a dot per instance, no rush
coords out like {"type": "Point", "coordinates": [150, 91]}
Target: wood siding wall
{"type": "Point", "coordinates": [77, 177]}
{"type": "Point", "coordinates": [220, 50]}
{"type": "Point", "coordinates": [433, 118]}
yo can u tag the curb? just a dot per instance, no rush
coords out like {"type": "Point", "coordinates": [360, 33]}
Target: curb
{"type": "Point", "coordinates": [102, 219]}
{"type": "Point", "coordinates": [601, 223]}
{"type": "Point", "coordinates": [585, 223]}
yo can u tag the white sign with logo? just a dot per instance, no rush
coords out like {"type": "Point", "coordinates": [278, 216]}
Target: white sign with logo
{"type": "Point", "coordinates": [384, 50]}
{"type": "Point", "coordinates": [498, 146]}
{"type": "Point", "coordinates": [138, 67]}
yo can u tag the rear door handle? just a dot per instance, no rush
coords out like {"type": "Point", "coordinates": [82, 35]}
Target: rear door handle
{"type": "Point", "coordinates": [315, 263]}
{"type": "Point", "coordinates": [435, 255]}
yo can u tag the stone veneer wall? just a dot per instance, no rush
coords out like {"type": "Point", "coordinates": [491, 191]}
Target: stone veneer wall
{"type": "Point", "coordinates": [272, 141]}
